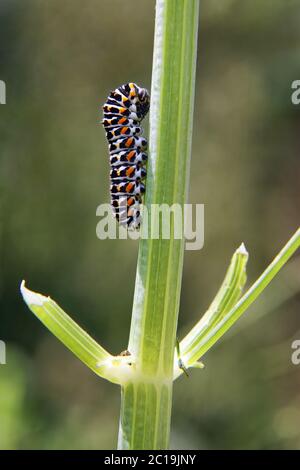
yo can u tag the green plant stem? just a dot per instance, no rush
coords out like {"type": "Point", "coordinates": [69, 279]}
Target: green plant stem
{"type": "Point", "coordinates": [146, 406]}
{"type": "Point", "coordinates": [146, 399]}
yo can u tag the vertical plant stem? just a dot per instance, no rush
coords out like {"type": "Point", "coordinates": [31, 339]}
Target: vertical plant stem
{"type": "Point", "coordinates": [146, 398]}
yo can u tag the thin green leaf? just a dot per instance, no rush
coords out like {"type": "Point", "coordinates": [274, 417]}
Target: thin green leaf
{"type": "Point", "coordinates": [105, 365]}
{"type": "Point", "coordinates": [249, 297]}
{"type": "Point", "coordinates": [226, 298]}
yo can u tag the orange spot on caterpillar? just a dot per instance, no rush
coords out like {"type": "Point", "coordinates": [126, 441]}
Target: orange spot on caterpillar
{"type": "Point", "coordinates": [131, 155]}
{"type": "Point", "coordinates": [129, 142]}
{"type": "Point", "coordinates": [129, 187]}
{"type": "Point", "coordinates": [130, 170]}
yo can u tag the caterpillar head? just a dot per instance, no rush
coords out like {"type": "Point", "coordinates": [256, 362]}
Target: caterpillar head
{"type": "Point", "coordinates": [144, 101]}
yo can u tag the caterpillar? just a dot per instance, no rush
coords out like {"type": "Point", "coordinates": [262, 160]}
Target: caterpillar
{"type": "Point", "coordinates": [123, 111]}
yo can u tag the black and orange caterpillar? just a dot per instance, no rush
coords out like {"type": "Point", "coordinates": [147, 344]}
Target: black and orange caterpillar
{"type": "Point", "coordinates": [123, 111]}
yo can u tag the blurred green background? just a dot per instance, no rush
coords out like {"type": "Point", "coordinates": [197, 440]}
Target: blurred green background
{"type": "Point", "coordinates": [59, 60]}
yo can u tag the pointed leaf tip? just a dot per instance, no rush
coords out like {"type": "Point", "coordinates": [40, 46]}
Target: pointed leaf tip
{"type": "Point", "coordinates": [30, 297]}
{"type": "Point", "coordinates": [242, 250]}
